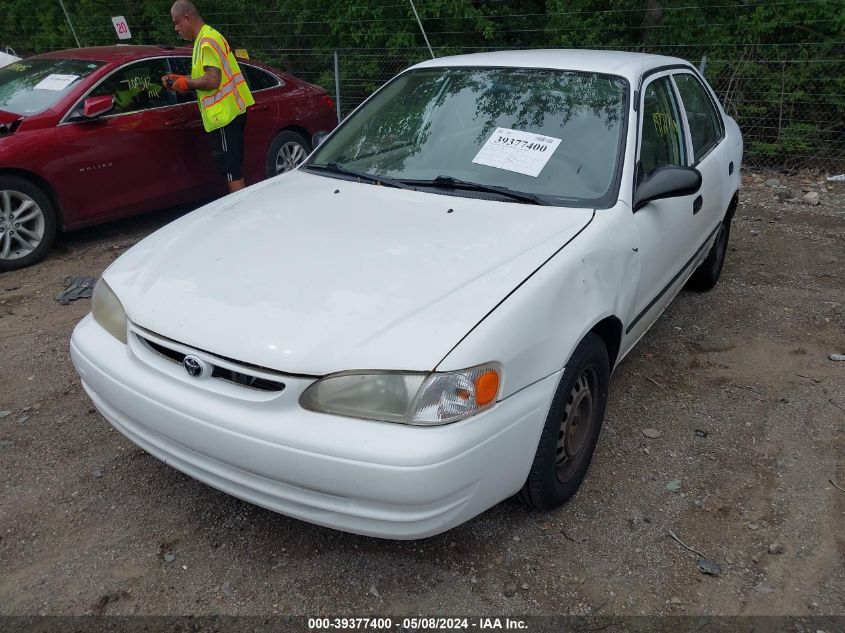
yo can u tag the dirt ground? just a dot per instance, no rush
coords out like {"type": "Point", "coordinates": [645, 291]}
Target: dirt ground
{"type": "Point", "coordinates": [751, 414]}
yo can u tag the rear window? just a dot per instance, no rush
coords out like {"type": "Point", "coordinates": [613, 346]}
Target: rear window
{"type": "Point", "coordinates": [34, 85]}
{"type": "Point", "coordinates": [258, 79]}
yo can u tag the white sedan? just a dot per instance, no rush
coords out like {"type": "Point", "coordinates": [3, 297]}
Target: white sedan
{"type": "Point", "coordinates": [422, 320]}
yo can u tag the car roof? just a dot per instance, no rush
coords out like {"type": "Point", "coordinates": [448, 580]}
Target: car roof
{"type": "Point", "coordinates": [119, 54]}
{"type": "Point", "coordinates": [628, 65]}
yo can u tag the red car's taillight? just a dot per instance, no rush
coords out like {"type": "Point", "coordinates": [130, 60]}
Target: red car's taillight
{"type": "Point", "coordinates": [328, 101]}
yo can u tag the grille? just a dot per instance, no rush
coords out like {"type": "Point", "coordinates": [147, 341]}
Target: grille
{"type": "Point", "coordinates": [245, 378]}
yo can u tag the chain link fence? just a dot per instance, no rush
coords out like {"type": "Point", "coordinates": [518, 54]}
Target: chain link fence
{"type": "Point", "coordinates": [788, 121]}
{"type": "Point", "coordinates": [789, 99]}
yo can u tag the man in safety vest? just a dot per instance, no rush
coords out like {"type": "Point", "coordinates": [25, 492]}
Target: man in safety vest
{"type": "Point", "coordinates": [222, 92]}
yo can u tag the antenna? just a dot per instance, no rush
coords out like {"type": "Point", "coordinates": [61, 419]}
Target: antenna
{"type": "Point", "coordinates": [78, 45]}
{"type": "Point", "coordinates": [425, 37]}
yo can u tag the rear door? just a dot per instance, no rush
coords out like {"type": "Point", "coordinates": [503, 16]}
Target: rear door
{"type": "Point", "coordinates": [262, 119]}
{"type": "Point", "coordinates": [204, 176]}
{"type": "Point", "coordinates": [710, 157]}
{"type": "Point", "coordinates": [136, 157]}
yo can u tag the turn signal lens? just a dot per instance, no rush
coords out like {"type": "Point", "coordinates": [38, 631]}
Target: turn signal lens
{"type": "Point", "coordinates": [486, 387]}
{"type": "Point", "coordinates": [328, 101]}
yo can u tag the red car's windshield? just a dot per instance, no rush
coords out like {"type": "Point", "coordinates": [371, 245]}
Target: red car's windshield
{"type": "Point", "coordinates": [31, 86]}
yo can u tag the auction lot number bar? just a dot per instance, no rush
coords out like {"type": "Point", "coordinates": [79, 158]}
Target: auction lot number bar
{"type": "Point", "coordinates": [411, 624]}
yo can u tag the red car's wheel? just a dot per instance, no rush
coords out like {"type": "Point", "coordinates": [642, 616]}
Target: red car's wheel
{"type": "Point", "coordinates": [27, 223]}
{"type": "Point", "coordinates": [286, 152]}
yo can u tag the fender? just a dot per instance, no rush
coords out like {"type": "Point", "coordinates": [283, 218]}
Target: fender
{"type": "Point", "coordinates": [535, 330]}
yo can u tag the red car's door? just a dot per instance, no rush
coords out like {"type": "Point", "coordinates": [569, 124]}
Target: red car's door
{"type": "Point", "coordinates": [204, 178]}
{"type": "Point", "coordinates": [137, 157]}
{"type": "Point", "coordinates": [262, 119]}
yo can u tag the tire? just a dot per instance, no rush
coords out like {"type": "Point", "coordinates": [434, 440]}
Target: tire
{"type": "Point", "coordinates": [286, 151]}
{"type": "Point", "coordinates": [572, 428]}
{"type": "Point", "coordinates": [707, 274]}
{"type": "Point", "coordinates": [27, 223]}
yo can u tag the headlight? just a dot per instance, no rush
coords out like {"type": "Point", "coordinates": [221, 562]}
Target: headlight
{"type": "Point", "coordinates": [406, 397]}
{"type": "Point", "coordinates": [107, 311]}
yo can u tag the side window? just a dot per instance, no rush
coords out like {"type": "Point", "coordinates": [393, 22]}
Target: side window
{"type": "Point", "coordinates": [137, 87]}
{"type": "Point", "coordinates": [182, 66]}
{"type": "Point", "coordinates": [258, 79]}
{"type": "Point", "coordinates": [662, 141]}
{"type": "Point", "coordinates": [704, 121]}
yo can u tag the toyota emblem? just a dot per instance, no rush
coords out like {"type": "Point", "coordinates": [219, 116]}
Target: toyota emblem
{"type": "Point", "coordinates": [193, 365]}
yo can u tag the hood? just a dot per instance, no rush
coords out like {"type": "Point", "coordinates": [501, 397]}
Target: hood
{"type": "Point", "coordinates": [310, 275]}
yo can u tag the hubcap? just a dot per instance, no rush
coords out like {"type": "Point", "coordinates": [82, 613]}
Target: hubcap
{"type": "Point", "coordinates": [21, 224]}
{"type": "Point", "coordinates": [290, 155]}
{"type": "Point", "coordinates": [576, 425]}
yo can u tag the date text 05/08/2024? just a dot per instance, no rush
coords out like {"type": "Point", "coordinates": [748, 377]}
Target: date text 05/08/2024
{"type": "Point", "coordinates": [413, 624]}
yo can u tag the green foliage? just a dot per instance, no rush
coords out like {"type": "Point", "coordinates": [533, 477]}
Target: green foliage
{"type": "Point", "coordinates": [778, 66]}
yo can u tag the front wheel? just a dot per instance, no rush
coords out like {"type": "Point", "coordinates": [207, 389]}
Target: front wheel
{"type": "Point", "coordinates": [27, 223]}
{"type": "Point", "coordinates": [287, 151]}
{"type": "Point", "coordinates": [572, 428]}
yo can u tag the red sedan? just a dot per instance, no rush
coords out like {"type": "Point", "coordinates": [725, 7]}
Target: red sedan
{"type": "Point", "coordinates": [90, 135]}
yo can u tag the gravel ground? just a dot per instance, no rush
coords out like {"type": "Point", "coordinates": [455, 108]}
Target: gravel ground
{"type": "Point", "coordinates": [751, 418]}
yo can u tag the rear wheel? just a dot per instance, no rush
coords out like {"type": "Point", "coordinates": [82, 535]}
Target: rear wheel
{"type": "Point", "coordinates": [707, 274]}
{"type": "Point", "coordinates": [286, 152]}
{"type": "Point", "coordinates": [27, 223]}
{"type": "Point", "coordinates": [572, 428]}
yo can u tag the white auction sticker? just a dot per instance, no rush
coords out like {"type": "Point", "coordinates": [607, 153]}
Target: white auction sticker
{"type": "Point", "coordinates": [523, 152]}
{"type": "Point", "coordinates": [56, 82]}
{"type": "Point", "coordinates": [121, 28]}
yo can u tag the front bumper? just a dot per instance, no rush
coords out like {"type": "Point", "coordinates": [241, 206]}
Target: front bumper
{"type": "Point", "coordinates": [372, 478]}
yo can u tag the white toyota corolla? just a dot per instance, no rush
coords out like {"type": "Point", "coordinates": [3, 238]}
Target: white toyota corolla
{"type": "Point", "coordinates": [421, 321]}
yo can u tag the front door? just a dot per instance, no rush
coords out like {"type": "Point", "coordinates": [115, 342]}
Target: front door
{"type": "Point", "coordinates": [137, 157]}
{"type": "Point", "coordinates": [666, 228]}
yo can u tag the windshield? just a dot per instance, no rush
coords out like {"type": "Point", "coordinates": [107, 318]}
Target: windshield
{"type": "Point", "coordinates": [33, 85]}
{"type": "Point", "coordinates": [551, 133]}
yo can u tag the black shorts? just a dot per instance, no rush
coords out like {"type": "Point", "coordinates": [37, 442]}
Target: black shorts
{"type": "Point", "coordinates": [228, 148]}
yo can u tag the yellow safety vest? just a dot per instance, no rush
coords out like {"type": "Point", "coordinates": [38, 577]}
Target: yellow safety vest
{"type": "Point", "coordinates": [220, 107]}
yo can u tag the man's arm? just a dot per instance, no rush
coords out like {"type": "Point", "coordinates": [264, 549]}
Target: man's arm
{"type": "Point", "coordinates": [210, 79]}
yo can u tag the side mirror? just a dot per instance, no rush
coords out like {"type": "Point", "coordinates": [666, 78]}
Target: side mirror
{"type": "Point", "coordinates": [666, 182]}
{"type": "Point", "coordinates": [318, 138]}
{"type": "Point", "coordinates": [97, 106]}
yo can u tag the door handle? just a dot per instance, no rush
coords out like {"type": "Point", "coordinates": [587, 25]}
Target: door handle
{"type": "Point", "coordinates": [731, 169]}
{"type": "Point", "coordinates": [172, 122]}
{"type": "Point", "coordinates": [696, 206]}
{"type": "Point", "coordinates": [256, 108]}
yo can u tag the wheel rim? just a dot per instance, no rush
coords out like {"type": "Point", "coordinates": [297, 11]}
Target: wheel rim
{"type": "Point", "coordinates": [576, 426]}
{"type": "Point", "coordinates": [21, 224]}
{"type": "Point", "coordinates": [290, 155]}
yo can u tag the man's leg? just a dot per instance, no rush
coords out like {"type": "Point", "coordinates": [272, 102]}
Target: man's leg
{"type": "Point", "coordinates": [229, 152]}
{"type": "Point", "coordinates": [235, 149]}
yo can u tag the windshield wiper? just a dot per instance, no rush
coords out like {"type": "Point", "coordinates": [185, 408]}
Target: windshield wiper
{"type": "Point", "coordinates": [447, 182]}
{"type": "Point", "coordinates": [340, 169]}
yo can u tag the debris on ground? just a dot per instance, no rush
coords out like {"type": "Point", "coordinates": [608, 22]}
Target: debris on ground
{"type": "Point", "coordinates": [837, 357]}
{"type": "Point", "coordinates": [710, 567]}
{"type": "Point", "coordinates": [77, 287]}
{"type": "Point", "coordinates": [652, 434]}
{"type": "Point", "coordinates": [674, 485]}
{"type": "Point", "coordinates": [811, 198]}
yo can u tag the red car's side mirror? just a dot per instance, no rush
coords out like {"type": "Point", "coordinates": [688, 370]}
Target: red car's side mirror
{"type": "Point", "coordinates": [97, 106]}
